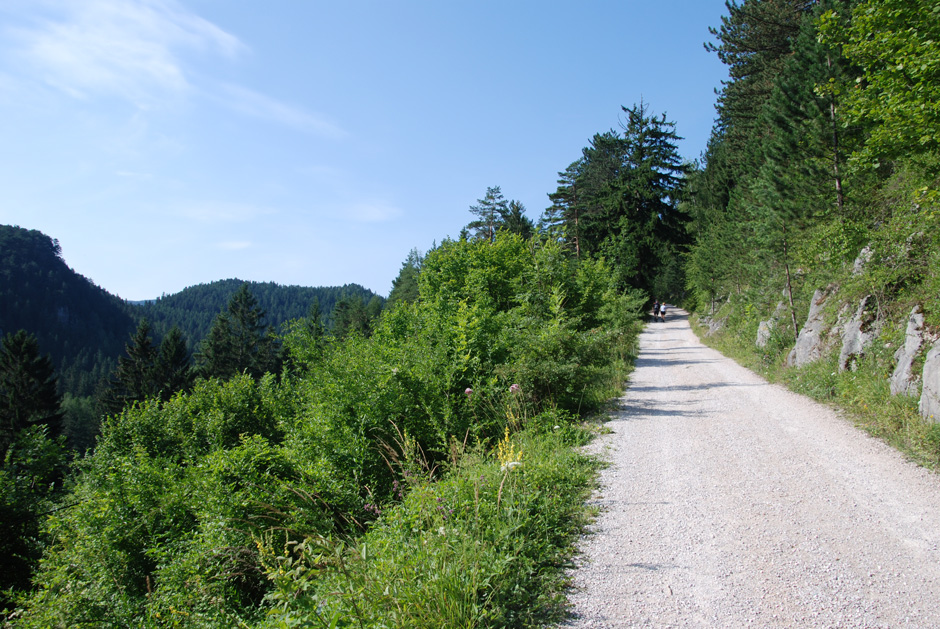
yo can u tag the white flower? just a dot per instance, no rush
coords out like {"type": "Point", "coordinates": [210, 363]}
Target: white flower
{"type": "Point", "coordinates": [510, 465]}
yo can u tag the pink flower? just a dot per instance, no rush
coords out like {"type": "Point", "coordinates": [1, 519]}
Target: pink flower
{"type": "Point", "coordinates": [514, 388]}
{"type": "Point", "coordinates": [468, 391]}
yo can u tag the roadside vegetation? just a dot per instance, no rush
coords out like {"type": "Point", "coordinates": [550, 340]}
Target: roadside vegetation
{"type": "Point", "coordinates": [424, 476]}
{"type": "Point", "coordinates": [822, 173]}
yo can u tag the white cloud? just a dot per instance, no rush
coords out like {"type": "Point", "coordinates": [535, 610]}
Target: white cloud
{"type": "Point", "coordinates": [252, 103]}
{"type": "Point", "coordinates": [373, 212]}
{"type": "Point", "coordinates": [126, 47]}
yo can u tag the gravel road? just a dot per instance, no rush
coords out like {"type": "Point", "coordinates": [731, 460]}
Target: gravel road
{"type": "Point", "coordinates": [731, 502]}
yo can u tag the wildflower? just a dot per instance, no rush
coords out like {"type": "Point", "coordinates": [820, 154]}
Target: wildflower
{"type": "Point", "coordinates": [514, 388]}
{"type": "Point", "coordinates": [441, 530]}
{"type": "Point", "coordinates": [510, 465]}
{"type": "Point", "coordinates": [468, 391]}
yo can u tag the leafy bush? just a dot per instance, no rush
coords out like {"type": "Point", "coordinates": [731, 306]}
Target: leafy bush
{"type": "Point", "coordinates": [376, 481]}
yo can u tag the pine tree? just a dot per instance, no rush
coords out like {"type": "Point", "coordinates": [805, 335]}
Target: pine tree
{"type": "Point", "coordinates": [491, 212]}
{"type": "Point", "coordinates": [560, 221]}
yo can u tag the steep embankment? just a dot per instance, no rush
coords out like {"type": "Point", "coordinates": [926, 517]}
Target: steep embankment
{"type": "Point", "coordinates": [732, 502]}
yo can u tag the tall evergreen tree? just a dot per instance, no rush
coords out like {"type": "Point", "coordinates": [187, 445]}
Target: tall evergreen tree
{"type": "Point", "coordinates": [491, 212]}
{"type": "Point", "coordinates": [351, 316]}
{"type": "Point", "coordinates": [172, 369]}
{"type": "Point", "coordinates": [133, 378]}
{"type": "Point", "coordinates": [239, 341]}
{"type": "Point", "coordinates": [28, 395]}
{"type": "Point", "coordinates": [651, 230]}
{"type": "Point", "coordinates": [31, 458]}
{"type": "Point", "coordinates": [560, 222]}
{"type": "Point", "coordinates": [516, 222]}
{"type": "Point", "coordinates": [405, 286]}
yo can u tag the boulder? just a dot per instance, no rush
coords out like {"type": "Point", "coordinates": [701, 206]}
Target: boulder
{"type": "Point", "coordinates": [715, 325]}
{"type": "Point", "coordinates": [812, 341]}
{"type": "Point", "coordinates": [864, 257]}
{"type": "Point", "coordinates": [930, 392]}
{"type": "Point", "coordinates": [857, 334]}
{"type": "Point", "coordinates": [766, 328]}
{"type": "Point", "coordinates": [903, 381]}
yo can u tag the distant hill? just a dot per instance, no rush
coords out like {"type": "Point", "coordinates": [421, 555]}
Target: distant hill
{"type": "Point", "coordinates": [194, 309]}
{"type": "Point", "coordinates": [84, 328]}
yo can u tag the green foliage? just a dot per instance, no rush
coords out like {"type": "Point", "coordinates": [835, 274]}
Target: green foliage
{"type": "Point", "coordinates": [898, 95]}
{"type": "Point", "coordinates": [621, 201]}
{"type": "Point", "coordinates": [28, 395]}
{"type": "Point", "coordinates": [148, 371]}
{"type": "Point", "coordinates": [405, 286]}
{"type": "Point", "coordinates": [31, 468]}
{"type": "Point", "coordinates": [194, 309]}
{"type": "Point", "coordinates": [239, 341]}
{"type": "Point", "coordinates": [244, 502]}
{"type": "Point", "coordinates": [491, 211]}
{"type": "Point", "coordinates": [484, 546]}
{"type": "Point", "coordinates": [79, 325]}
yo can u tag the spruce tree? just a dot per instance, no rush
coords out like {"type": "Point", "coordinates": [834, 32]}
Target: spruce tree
{"type": "Point", "coordinates": [172, 370]}
{"type": "Point", "coordinates": [516, 222]}
{"type": "Point", "coordinates": [239, 341]}
{"type": "Point", "coordinates": [28, 395]}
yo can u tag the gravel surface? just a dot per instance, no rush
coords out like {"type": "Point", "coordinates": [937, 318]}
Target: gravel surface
{"type": "Point", "coordinates": [731, 502]}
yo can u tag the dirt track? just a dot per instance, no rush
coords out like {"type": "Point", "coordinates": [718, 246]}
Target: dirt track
{"type": "Point", "coordinates": [730, 502]}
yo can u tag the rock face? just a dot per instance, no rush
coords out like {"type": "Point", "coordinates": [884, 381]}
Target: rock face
{"type": "Point", "coordinates": [902, 380]}
{"type": "Point", "coordinates": [766, 328]}
{"type": "Point", "coordinates": [811, 343]}
{"type": "Point", "coordinates": [714, 325]}
{"type": "Point", "coordinates": [930, 393]}
{"type": "Point", "coordinates": [857, 334]}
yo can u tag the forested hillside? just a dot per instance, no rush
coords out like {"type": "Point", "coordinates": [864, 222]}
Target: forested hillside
{"type": "Point", "coordinates": [85, 329]}
{"type": "Point", "coordinates": [194, 309]}
{"type": "Point", "coordinates": [815, 224]}
{"type": "Point", "coordinates": [80, 325]}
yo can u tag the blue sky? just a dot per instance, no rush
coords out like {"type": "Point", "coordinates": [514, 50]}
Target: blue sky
{"type": "Point", "coordinates": [167, 143]}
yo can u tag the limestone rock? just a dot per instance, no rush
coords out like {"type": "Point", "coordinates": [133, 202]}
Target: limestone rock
{"type": "Point", "coordinates": [812, 341]}
{"type": "Point", "coordinates": [715, 325]}
{"type": "Point", "coordinates": [857, 334]}
{"type": "Point", "coordinates": [864, 257]}
{"type": "Point", "coordinates": [766, 328]}
{"type": "Point", "coordinates": [930, 392]}
{"type": "Point", "coordinates": [902, 381]}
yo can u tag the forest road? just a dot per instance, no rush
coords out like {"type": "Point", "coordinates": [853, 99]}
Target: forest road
{"type": "Point", "coordinates": [731, 502]}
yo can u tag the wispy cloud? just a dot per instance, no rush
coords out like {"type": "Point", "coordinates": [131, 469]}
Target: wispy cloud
{"type": "Point", "coordinates": [220, 212]}
{"type": "Point", "coordinates": [140, 51]}
{"type": "Point", "coordinates": [373, 212]}
{"type": "Point", "coordinates": [258, 105]}
{"type": "Point", "coordinates": [131, 48]}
